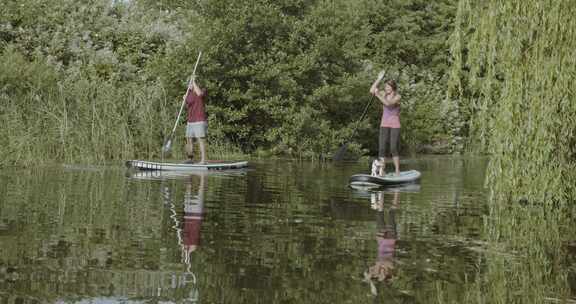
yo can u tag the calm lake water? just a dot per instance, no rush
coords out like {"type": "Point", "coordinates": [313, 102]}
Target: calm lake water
{"type": "Point", "coordinates": [279, 232]}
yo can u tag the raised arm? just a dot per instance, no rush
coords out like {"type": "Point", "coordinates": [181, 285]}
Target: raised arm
{"type": "Point", "coordinates": [394, 100]}
{"type": "Point", "coordinates": [374, 87]}
{"type": "Point", "coordinates": [196, 88]}
{"type": "Point", "coordinates": [381, 97]}
{"type": "Point", "coordinates": [388, 102]}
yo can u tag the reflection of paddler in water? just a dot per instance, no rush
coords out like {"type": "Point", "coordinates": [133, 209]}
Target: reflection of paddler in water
{"type": "Point", "coordinates": [383, 268]}
{"type": "Point", "coordinates": [188, 227]}
{"type": "Point", "coordinates": [193, 212]}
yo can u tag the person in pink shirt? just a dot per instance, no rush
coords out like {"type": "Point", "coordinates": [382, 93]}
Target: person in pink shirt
{"type": "Point", "coordinates": [197, 122]}
{"type": "Point", "coordinates": [389, 138]}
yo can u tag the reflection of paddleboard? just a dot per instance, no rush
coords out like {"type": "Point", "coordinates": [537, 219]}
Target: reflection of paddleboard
{"type": "Point", "coordinates": [387, 180]}
{"type": "Point", "coordinates": [211, 165]}
{"type": "Point", "coordinates": [165, 175]}
{"type": "Point", "coordinates": [402, 188]}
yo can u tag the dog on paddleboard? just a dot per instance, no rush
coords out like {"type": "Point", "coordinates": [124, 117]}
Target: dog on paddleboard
{"type": "Point", "coordinates": [376, 166]}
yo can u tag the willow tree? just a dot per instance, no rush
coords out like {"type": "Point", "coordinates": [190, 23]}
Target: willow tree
{"type": "Point", "coordinates": [513, 75]}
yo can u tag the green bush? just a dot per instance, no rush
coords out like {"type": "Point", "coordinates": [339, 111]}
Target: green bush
{"type": "Point", "coordinates": [288, 77]}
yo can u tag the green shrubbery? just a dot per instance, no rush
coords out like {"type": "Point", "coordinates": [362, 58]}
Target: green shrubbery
{"type": "Point", "coordinates": [103, 81]}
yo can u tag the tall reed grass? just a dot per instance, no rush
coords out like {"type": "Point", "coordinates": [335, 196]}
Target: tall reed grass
{"type": "Point", "coordinates": [46, 116]}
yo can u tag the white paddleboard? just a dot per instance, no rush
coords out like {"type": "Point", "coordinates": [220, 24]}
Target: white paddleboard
{"type": "Point", "coordinates": [171, 166]}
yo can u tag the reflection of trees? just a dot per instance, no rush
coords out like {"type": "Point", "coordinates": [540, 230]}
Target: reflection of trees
{"type": "Point", "coordinates": [525, 258]}
{"type": "Point", "coordinates": [439, 231]}
{"type": "Point", "coordinates": [84, 234]}
{"type": "Point", "coordinates": [281, 233]}
{"type": "Point", "coordinates": [277, 242]}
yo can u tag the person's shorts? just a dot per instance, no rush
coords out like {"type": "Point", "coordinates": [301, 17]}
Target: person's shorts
{"type": "Point", "coordinates": [196, 129]}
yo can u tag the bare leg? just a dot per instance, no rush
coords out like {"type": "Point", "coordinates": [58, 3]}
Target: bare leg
{"type": "Point", "coordinates": [397, 164]}
{"type": "Point", "coordinates": [382, 166]}
{"type": "Point", "coordinates": [202, 144]}
{"type": "Point", "coordinates": [396, 199]}
{"type": "Point", "coordinates": [190, 148]}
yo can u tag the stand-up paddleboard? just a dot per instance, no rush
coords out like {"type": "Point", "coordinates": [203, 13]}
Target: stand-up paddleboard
{"type": "Point", "coordinates": [210, 165]}
{"type": "Point", "coordinates": [390, 179]}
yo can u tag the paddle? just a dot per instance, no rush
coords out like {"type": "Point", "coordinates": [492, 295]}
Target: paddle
{"type": "Point", "coordinates": [339, 155]}
{"type": "Point", "coordinates": [168, 143]}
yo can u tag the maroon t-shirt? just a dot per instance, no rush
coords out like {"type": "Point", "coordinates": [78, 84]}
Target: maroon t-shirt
{"type": "Point", "coordinates": [191, 233]}
{"type": "Point", "coordinates": [195, 105]}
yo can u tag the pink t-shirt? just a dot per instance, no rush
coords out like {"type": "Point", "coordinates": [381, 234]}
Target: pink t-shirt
{"type": "Point", "coordinates": [391, 117]}
{"type": "Point", "coordinates": [386, 248]}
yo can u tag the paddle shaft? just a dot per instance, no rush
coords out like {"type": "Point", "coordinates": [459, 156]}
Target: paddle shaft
{"type": "Point", "coordinates": [338, 156]}
{"type": "Point", "coordinates": [361, 117]}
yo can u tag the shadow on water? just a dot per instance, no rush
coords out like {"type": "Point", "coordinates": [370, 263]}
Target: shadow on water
{"type": "Point", "coordinates": [281, 232]}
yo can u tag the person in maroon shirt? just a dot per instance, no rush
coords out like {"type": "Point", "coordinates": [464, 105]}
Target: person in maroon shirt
{"type": "Point", "coordinates": [197, 122]}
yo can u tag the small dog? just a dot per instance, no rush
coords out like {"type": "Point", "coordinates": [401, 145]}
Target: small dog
{"type": "Point", "coordinates": [376, 166]}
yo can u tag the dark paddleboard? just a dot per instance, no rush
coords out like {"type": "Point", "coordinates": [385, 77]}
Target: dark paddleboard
{"type": "Point", "coordinates": [390, 179]}
{"type": "Point", "coordinates": [170, 166]}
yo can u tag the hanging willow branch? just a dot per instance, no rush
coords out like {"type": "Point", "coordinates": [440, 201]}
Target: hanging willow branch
{"type": "Point", "coordinates": [514, 68]}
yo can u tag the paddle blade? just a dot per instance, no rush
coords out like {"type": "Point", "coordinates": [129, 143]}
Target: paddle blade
{"type": "Point", "coordinates": [339, 155]}
{"type": "Point", "coordinates": [167, 146]}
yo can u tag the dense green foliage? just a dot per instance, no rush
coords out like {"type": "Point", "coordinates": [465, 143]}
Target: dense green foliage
{"type": "Point", "coordinates": [514, 74]}
{"type": "Point", "coordinates": [103, 80]}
